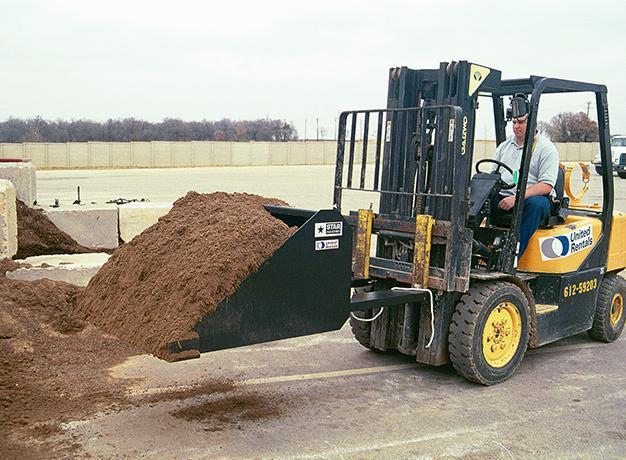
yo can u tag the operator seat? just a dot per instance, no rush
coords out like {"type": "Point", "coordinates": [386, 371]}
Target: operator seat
{"type": "Point", "coordinates": [558, 207]}
{"type": "Point", "coordinates": [559, 203]}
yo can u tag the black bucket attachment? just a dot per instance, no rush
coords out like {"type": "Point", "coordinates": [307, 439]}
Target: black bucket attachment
{"type": "Point", "coordinates": [302, 289]}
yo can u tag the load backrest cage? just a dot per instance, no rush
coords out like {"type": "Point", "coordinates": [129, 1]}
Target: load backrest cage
{"type": "Point", "coordinates": [419, 165]}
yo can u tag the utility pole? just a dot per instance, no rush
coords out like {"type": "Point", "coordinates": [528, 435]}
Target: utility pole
{"type": "Point", "coordinates": [305, 129]}
{"type": "Point", "coordinates": [588, 105]}
{"type": "Point", "coordinates": [317, 128]}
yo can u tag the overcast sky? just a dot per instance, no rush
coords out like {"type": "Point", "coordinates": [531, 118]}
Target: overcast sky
{"type": "Point", "coordinates": [286, 59]}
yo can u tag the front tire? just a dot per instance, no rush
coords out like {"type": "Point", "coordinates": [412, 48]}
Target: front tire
{"type": "Point", "coordinates": [608, 320]}
{"type": "Point", "coordinates": [361, 330]}
{"type": "Point", "coordinates": [489, 332]}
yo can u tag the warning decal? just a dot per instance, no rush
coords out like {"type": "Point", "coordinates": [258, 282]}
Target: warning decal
{"type": "Point", "coordinates": [324, 229]}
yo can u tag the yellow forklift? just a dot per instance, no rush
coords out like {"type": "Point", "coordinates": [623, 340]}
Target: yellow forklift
{"type": "Point", "coordinates": [433, 273]}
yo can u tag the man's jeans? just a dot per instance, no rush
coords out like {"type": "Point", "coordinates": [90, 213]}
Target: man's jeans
{"type": "Point", "coordinates": [536, 208]}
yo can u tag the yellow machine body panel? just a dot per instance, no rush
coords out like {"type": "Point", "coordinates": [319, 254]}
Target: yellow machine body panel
{"type": "Point", "coordinates": [616, 259]}
{"type": "Point", "coordinates": [562, 249]}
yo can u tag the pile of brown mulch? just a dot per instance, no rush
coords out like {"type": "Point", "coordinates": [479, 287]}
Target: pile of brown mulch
{"type": "Point", "coordinates": [38, 236]}
{"type": "Point", "coordinates": [154, 289]}
{"type": "Point", "coordinates": [53, 366]}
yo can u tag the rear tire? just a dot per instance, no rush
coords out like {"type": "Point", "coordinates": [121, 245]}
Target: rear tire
{"type": "Point", "coordinates": [489, 332]}
{"type": "Point", "coordinates": [622, 175]}
{"type": "Point", "coordinates": [599, 170]}
{"type": "Point", "coordinates": [608, 320]}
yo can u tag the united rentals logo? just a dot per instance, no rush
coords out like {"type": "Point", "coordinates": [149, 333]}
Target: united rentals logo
{"type": "Point", "coordinates": [557, 247]}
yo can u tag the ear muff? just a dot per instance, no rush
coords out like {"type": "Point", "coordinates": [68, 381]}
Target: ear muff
{"type": "Point", "coordinates": [518, 107]}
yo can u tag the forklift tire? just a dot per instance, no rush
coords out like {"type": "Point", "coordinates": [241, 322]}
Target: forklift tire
{"type": "Point", "coordinates": [489, 332]}
{"type": "Point", "coordinates": [608, 320]}
{"type": "Point", "coordinates": [362, 330]}
{"type": "Point", "coordinates": [622, 175]}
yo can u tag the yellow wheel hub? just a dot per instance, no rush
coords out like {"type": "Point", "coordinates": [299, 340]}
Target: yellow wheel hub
{"type": "Point", "coordinates": [617, 307]}
{"type": "Point", "coordinates": [502, 333]}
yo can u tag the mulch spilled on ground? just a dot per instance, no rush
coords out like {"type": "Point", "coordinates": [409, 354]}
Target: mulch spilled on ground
{"type": "Point", "coordinates": [52, 365]}
{"type": "Point", "coordinates": [219, 404]}
{"type": "Point", "coordinates": [155, 288]}
{"type": "Point", "coordinates": [38, 236]}
{"type": "Point", "coordinates": [233, 409]}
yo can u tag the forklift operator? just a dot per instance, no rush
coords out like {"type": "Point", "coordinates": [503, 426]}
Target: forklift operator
{"type": "Point", "coordinates": [542, 176]}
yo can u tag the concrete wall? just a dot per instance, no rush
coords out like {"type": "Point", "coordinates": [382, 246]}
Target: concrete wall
{"type": "Point", "coordinates": [109, 155]}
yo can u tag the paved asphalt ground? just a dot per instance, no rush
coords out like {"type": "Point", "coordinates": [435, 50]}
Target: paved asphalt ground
{"type": "Point", "coordinates": [330, 397]}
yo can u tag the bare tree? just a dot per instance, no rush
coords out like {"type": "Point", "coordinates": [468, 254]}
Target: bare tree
{"type": "Point", "coordinates": [570, 127]}
{"type": "Point", "coordinates": [130, 129]}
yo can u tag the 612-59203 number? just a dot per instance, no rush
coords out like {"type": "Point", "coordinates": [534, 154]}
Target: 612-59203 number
{"type": "Point", "coordinates": [580, 288]}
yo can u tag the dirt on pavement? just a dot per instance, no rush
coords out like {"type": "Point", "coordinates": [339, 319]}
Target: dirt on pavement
{"type": "Point", "coordinates": [52, 365]}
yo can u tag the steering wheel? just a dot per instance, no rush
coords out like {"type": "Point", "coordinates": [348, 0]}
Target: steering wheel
{"type": "Point", "coordinates": [500, 165]}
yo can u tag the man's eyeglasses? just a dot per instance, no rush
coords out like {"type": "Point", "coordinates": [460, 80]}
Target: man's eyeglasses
{"type": "Point", "coordinates": [519, 122]}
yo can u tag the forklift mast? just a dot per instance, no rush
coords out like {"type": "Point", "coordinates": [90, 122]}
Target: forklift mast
{"type": "Point", "coordinates": [427, 137]}
{"type": "Point", "coordinates": [422, 169]}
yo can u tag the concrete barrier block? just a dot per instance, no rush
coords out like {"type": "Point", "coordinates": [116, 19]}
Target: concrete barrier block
{"type": "Point", "coordinates": [91, 227]}
{"type": "Point", "coordinates": [8, 220]}
{"type": "Point", "coordinates": [134, 218]}
{"type": "Point", "coordinates": [23, 177]}
{"type": "Point", "coordinates": [75, 269]}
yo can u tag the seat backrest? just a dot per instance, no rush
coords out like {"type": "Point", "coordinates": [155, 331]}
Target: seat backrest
{"type": "Point", "coordinates": [559, 186]}
{"type": "Point", "coordinates": [558, 206]}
